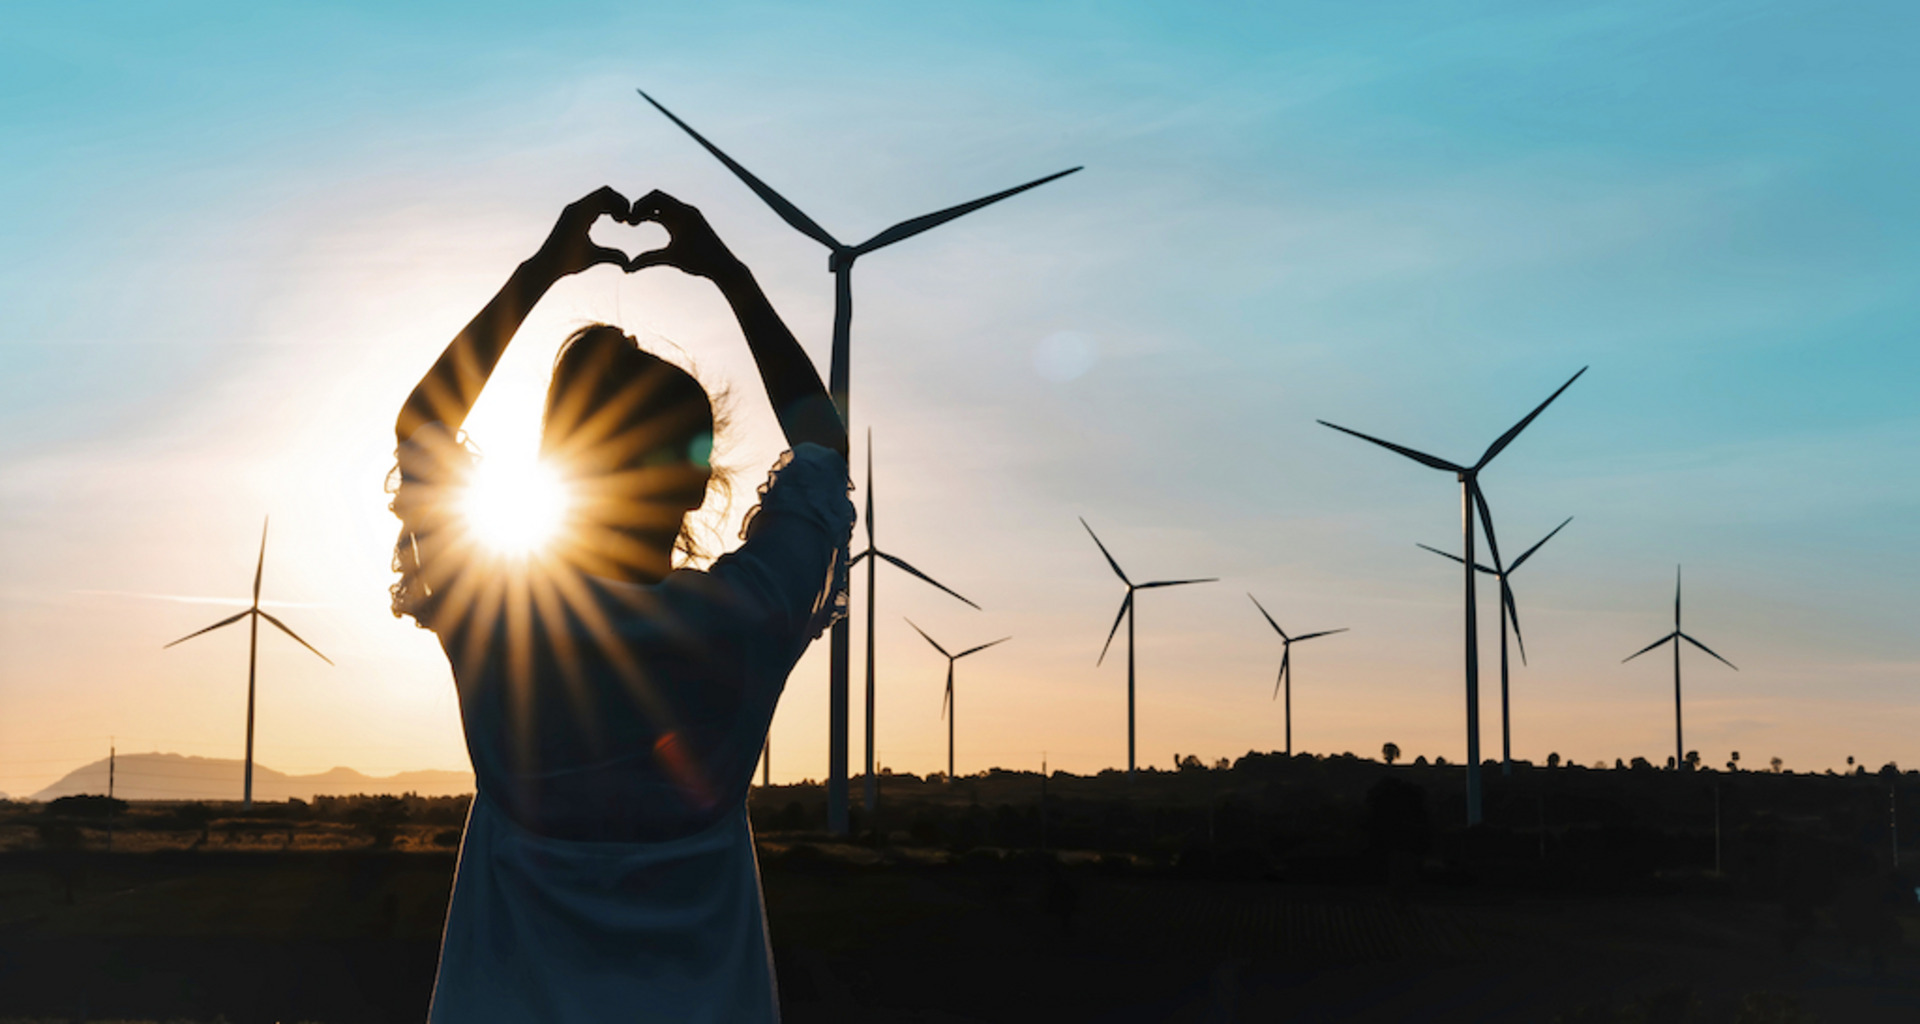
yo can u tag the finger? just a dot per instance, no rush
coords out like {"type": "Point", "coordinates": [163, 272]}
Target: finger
{"type": "Point", "coordinates": [651, 258]}
{"type": "Point", "coordinates": [656, 204]}
{"type": "Point", "coordinates": [590, 205]}
{"type": "Point", "coordinates": [648, 206]}
{"type": "Point", "coordinates": [601, 254]}
{"type": "Point", "coordinates": [601, 202]}
{"type": "Point", "coordinates": [605, 200]}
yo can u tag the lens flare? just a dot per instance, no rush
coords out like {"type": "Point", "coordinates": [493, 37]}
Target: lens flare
{"type": "Point", "coordinates": [515, 506]}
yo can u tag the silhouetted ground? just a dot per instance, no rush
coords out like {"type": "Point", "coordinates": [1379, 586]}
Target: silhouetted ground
{"type": "Point", "coordinates": [1313, 890]}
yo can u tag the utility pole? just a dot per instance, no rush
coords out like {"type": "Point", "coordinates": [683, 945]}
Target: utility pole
{"type": "Point", "coordinates": [1043, 801]}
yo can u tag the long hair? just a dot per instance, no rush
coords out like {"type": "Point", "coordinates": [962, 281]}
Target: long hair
{"type": "Point", "coordinates": [636, 433]}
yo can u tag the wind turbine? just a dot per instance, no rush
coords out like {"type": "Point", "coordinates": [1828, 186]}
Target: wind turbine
{"type": "Point", "coordinates": [1470, 498]}
{"type": "Point", "coordinates": [253, 651]}
{"type": "Point", "coordinates": [946, 709]}
{"type": "Point", "coordinates": [1126, 612]}
{"type": "Point", "coordinates": [873, 781]}
{"type": "Point", "coordinates": [1679, 745]}
{"type": "Point", "coordinates": [1285, 679]}
{"type": "Point", "coordinates": [840, 263]}
{"type": "Point", "coordinates": [1511, 612]}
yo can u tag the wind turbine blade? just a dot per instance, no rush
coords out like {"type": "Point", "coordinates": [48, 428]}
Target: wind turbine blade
{"type": "Point", "coordinates": [1286, 666]}
{"type": "Point", "coordinates": [1421, 457]}
{"type": "Point", "coordinates": [1676, 599]}
{"type": "Point", "coordinates": [1103, 550]}
{"type": "Point", "coordinates": [223, 622]}
{"type": "Point", "coordinates": [1442, 554]}
{"type": "Point", "coordinates": [924, 636]}
{"type": "Point", "coordinates": [855, 560]}
{"type": "Point", "coordinates": [1709, 650]}
{"type": "Point", "coordinates": [982, 647]}
{"type": "Point", "coordinates": [1269, 618]}
{"type": "Point", "coordinates": [1649, 647]}
{"type": "Point", "coordinates": [908, 228]}
{"type": "Point", "coordinates": [1324, 632]}
{"type": "Point", "coordinates": [1456, 558]}
{"type": "Point", "coordinates": [947, 698]}
{"type": "Point", "coordinates": [296, 636]}
{"type": "Point", "coordinates": [1486, 527]}
{"type": "Point", "coordinates": [1125, 603]}
{"type": "Point", "coordinates": [1507, 438]}
{"type": "Point", "coordinates": [903, 565]}
{"type": "Point", "coordinates": [787, 211]}
{"type": "Point", "coordinates": [1281, 678]}
{"type": "Point", "coordinates": [1176, 583]}
{"type": "Point", "coordinates": [1511, 610]}
{"type": "Point", "coordinates": [1537, 544]}
{"type": "Point", "coordinates": [260, 566]}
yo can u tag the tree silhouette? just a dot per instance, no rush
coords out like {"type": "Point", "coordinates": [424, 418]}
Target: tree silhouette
{"type": "Point", "coordinates": [1553, 760]}
{"type": "Point", "coordinates": [1391, 752]}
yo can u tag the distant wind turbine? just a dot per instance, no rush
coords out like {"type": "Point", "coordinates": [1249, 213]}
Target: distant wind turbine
{"type": "Point", "coordinates": [1285, 680]}
{"type": "Point", "coordinates": [946, 703]}
{"type": "Point", "coordinates": [872, 793]}
{"type": "Point", "coordinates": [1470, 498]}
{"type": "Point", "coordinates": [253, 651]}
{"type": "Point", "coordinates": [1511, 612]}
{"type": "Point", "coordinates": [1679, 744]}
{"type": "Point", "coordinates": [840, 263]}
{"type": "Point", "coordinates": [1126, 612]}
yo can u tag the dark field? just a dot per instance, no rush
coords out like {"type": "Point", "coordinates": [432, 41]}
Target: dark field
{"type": "Point", "coordinates": [1280, 890]}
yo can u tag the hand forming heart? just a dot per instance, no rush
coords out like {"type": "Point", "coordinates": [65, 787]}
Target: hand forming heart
{"type": "Point", "coordinates": [691, 247]}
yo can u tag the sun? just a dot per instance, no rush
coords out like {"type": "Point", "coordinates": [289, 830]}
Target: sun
{"type": "Point", "coordinates": [515, 506]}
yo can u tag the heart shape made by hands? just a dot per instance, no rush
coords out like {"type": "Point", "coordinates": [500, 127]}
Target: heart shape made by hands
{"type": "Point", "coordinates": [632, 239]}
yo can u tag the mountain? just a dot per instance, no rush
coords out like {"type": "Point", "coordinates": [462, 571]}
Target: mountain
{"type": "Point", "coordinates": [176, 777]}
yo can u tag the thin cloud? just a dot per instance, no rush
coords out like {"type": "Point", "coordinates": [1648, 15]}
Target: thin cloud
{"type": "Point", "coordinates": [190, 599]}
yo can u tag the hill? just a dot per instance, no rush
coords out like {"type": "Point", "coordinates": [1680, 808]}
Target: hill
{"type": "Point", "coordinates": [157, 776]}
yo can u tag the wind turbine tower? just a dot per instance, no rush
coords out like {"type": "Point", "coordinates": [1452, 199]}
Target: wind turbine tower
{"type": "Point", "coordinates": [1508, 611]}
{"type": "Point", "coordinates": [1285, 680]}
{"type": "Point", "coordinates": [872, 787]}
{"type": "Point", "coordinates": [1470, 498]}
{"type": "Point", "coordinates": [947, 709]}
{"type": "Point", "coordinates": [840, 262]}
{"type": "Point", "coordinates": [1126, 612]}
{"type": "Point", "coordinates": [1679, 744]}
{"type": "Point", "coordinates": [255, 614]}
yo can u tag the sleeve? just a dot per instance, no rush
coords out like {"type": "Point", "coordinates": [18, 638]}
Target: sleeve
{"type": "Point", "coordinates": [432, 466]}
{"type": "Point", "coordinates": [796, 541]}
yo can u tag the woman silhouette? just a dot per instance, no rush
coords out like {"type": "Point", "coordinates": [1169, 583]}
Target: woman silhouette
{"type": "Point", "coordinates": [614, 707]}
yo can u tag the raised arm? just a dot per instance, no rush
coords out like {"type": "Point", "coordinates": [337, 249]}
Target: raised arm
{"type": "Point", "coordinates": [449, 389]}
{"type": "Point", "coordinates": [800, 401]}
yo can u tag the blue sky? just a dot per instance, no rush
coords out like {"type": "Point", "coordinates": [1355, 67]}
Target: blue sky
{"type": "Point", "coordinates": [237, 235]}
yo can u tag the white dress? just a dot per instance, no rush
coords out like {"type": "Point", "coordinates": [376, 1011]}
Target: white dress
{"type": "Point", "coordinates": [608, 872]}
